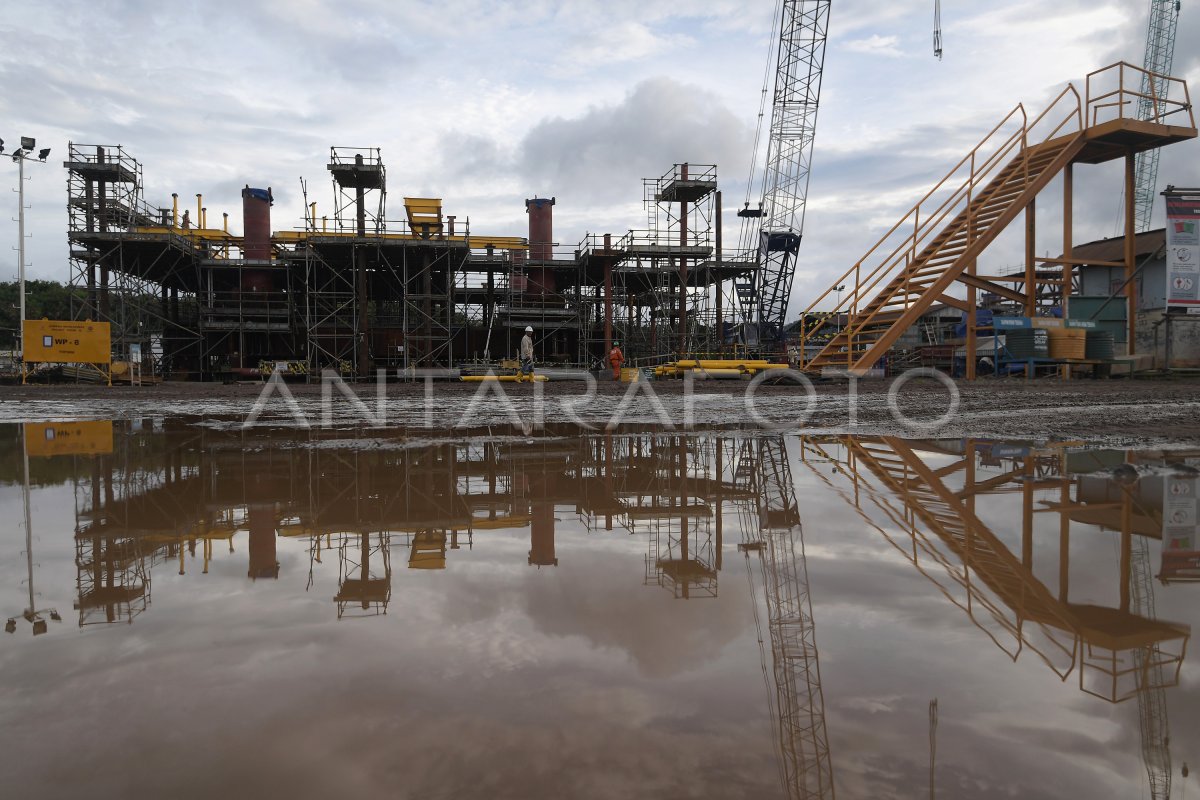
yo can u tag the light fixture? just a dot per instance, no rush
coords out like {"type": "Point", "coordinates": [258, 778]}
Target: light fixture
{"type": "Point", "coordinates": [18, 154]}
{"type": "Point", "coordinates": [39, 627]}
{"type": "Point", "coordinates": [44, 153]}
{"type": "Point", "coordinates": [54, 615]}
{"type": "Point", "coordinates": [1, 145]}
{"type": "Point", "coordinates": [28, 143]}
{"type": "Point", "coordinates": [10, 626]}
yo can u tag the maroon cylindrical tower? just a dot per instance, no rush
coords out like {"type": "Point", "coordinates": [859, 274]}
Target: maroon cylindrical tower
{"type": "Point", "coordinates": [256, 237]}
{"type": "Point", "coordinates": [541, 227]}
{"type": "Point", "coordinates": [541, 242]}
{"type": "Point", "coordinates": [263, 560]}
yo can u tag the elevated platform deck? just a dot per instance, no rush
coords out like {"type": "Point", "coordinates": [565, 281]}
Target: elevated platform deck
{"type": "Point", "coordinates": [1110, 140]}
{"type": "Point", "coordinates": [106, 171]}
{"type": "Point", "coordinates": [686, 191]}
{"type": "Point", "coordinates": [357, 176]}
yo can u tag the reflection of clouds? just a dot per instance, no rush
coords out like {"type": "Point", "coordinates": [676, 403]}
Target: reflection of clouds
{"type": "Point", "coordinates": [598, 597]}
{"type": "Point", "coordinates": [493, 678]}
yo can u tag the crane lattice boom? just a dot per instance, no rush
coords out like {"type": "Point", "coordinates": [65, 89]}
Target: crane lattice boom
{"type": "Point", "coordinates": [799, 63]}
{"type": "Point", "coordinates": [1160, 53]}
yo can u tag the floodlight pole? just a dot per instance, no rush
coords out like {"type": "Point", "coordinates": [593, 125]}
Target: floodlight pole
{"type": "Point", "coordinates": [21, 155]}
{"type": "Point", "coordinates": [20, 159]}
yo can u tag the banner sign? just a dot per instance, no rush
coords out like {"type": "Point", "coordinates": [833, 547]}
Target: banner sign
{"type": "Point", "coordinates": [1181, 522]}
{"type": "Point", "coordinates": [69, 438]}
{"type": "Point", "coordinates": [52, 341]}
{"type": "Point", "coordinates": [1183, 251]}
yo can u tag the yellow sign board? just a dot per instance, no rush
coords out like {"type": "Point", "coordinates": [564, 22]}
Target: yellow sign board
{"type": "Point", "coordinates": [69, 438]}
{"type": "Point", "coordinates": [52, 341]}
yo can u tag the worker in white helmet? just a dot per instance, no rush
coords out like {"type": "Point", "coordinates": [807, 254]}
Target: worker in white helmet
{"type": "Point", "coordinates": [527, 352]}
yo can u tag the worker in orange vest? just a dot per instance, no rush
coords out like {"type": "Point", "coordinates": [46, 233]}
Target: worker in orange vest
{"type": "Point", "coordinates": [616, 358]}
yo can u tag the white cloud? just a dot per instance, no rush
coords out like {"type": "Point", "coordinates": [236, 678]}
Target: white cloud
{"type": "Point", "coordinates": [876, 45]}
{"type": "Point", "coordinates": [487, 103]}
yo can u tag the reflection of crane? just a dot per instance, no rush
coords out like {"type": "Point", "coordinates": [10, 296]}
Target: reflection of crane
{"type": "Point", "coordinates": [775, 236]}
{"type": "Point", "coordinates": [1152, 705]}
{"type": "Point", "coordinates": [1151, 696]}
{"type": "Point", "coordinates": [1160, 53]}
{"type": "Point", "coordinates": [799, 705]}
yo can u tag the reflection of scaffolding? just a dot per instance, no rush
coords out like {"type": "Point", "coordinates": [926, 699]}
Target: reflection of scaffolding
{"type": "Point", "coordinates": [364, 574]}
{"type": "Point", "coordinates": [112, 584]}
{"type": "Point", "coordinates": [672, 505]}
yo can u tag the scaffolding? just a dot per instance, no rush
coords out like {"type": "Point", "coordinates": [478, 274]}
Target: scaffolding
{"type": "Point", "coordinates": [670, 288]}
{"type": "Point", "coordinates": [354, 292]}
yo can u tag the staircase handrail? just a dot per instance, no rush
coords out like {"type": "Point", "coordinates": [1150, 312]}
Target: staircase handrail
{"type": "Point", "coordinates": [926, 223]}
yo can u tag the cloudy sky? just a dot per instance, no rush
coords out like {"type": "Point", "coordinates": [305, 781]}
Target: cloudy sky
{"type": "Point", "coordinates": [487, 103]}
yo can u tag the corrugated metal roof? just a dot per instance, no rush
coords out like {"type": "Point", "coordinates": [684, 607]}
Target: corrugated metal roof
{"type": "Point", "coordinates": [1114, 249]}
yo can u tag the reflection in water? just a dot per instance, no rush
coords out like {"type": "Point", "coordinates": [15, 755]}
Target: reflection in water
{"type": "Point", "coordinates": [180, 497]}
{"type": "Point", "coordinates": [31, 613]}
{"type": "Point", "coordinates": [805, 766]}
{"type": "Point", "coordinates": [902, 489]}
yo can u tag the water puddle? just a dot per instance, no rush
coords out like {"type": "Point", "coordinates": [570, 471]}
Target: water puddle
{"type": "Point", "coordinates": [198, 610]}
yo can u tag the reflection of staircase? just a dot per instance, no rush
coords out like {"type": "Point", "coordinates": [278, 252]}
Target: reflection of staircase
{"type": "Point", "coordinates": [903, 471]}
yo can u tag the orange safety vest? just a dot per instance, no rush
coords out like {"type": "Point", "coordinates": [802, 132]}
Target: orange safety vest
{"type": "Point", "coordinates": [615, 356]}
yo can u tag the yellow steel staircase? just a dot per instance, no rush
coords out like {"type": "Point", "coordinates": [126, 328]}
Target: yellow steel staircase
{"type": "Point", "coordinates": [936, 244]}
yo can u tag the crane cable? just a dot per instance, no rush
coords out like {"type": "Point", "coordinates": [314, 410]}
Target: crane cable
{"type": "Point", "coordinates": [772, 44]}
{"type": "Point", "coordinates": [937, 29]}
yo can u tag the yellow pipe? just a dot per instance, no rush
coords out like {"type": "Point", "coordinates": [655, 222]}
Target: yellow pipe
{"type": "Point", "coordinates": [174, 209]}
{"type": "Point", "coordinates": [312, 208]}
{"type": "Point", "coordinates": [724, 363]}
{"type": "Point", "coordinates": [225, 227]}
{"type": "Point", "coordinates": [719, 373]}
{"type": "Point", "coordinates": [324, 224]}
{"type": "Point", "coordinates": [204, 217]}
{"type": "Point", "coordinates": [503, 378]}
{"type": "Point", "coordinates": [199, 209]}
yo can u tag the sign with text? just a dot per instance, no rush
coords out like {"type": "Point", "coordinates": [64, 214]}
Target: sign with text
{"type": "Point", "coordinates": [52, 341]}
{"type": "Point", "coordinates": [1181, 524]}
{"type": "Point", "coordinates": [1183, 251]}
{"type": "Point", "coordinates": [91, 437]}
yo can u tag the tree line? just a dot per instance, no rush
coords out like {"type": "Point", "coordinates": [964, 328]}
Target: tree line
{"type": "Point", "coordinates": [43, 299]}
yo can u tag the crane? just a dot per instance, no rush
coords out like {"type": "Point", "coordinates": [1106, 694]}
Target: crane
{"type": "Point", "coordinates": [774, 229]}
{"type": "Point", "coordinates": [1160, 53]}
{"type": "Point", "coordinates": [798, 704]}
{"type": "Point", "coordinates": [937, 29]}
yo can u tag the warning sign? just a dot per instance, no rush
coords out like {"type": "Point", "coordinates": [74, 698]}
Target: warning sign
{"type": "Point", "coordinates": [51, 341]}
{"type": "Point", "coordinates": [1183, 251]}
{"type": "Point", "coordinates": [1181, 523]}
{"type": "Point", "coordinates": [69, 438]}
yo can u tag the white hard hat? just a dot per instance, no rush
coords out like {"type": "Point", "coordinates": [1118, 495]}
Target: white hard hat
{"type": "Point", "coordinates": [529, 329]}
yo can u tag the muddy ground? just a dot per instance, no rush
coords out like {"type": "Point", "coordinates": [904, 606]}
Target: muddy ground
{"type": "Point", "coordinates": [1120, 413]}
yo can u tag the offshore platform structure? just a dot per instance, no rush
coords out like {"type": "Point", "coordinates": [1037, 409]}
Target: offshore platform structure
{"type": "Point", "coordinates": [353, 296]}
{"type": "Point", "coordinates": [774, 230]}
{"type": "Point", "coordinates": [354, 292]}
